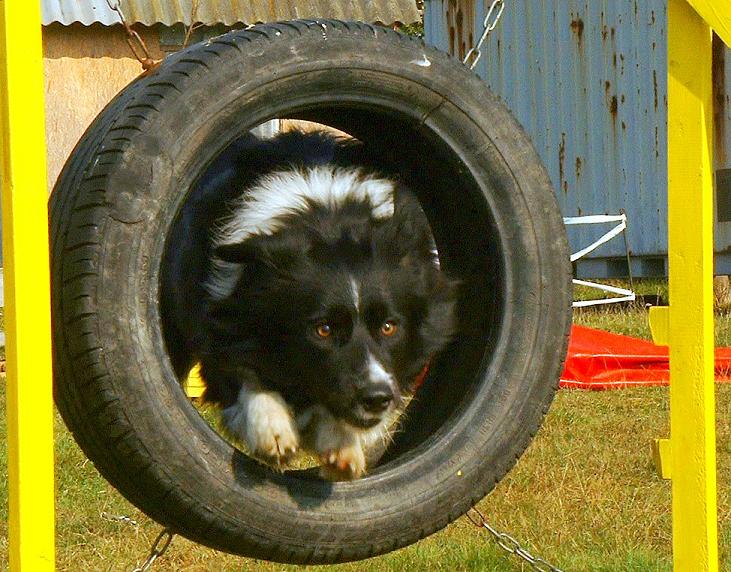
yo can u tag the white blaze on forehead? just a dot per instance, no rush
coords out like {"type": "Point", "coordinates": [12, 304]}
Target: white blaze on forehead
{"type": "Point", "coordinates": [355, 290]}
{"type": "Point", "coordinates": [287, 192]}
{"type": "Point", "coordinates": [377, 373]}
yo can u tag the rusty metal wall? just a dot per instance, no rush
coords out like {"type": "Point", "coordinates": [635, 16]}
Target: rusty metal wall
{"type": "Point", "coordinates": [588, 81]}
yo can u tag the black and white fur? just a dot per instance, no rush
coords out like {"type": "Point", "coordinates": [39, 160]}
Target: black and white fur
{"type": "Point", "coordinates": [307, 286]}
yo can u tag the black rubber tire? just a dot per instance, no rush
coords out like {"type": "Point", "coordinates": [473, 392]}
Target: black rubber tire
{"type": "Point", "coordinates": [496, 223]}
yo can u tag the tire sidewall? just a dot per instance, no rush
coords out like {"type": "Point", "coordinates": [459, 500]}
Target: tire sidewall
{"type": "Point", "coordinates": [147, 187]}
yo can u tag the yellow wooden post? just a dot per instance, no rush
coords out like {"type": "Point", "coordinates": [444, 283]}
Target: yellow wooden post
{"type": "Point", "coordinates": [690, 201]}
{"type": "Point", "coordinates": [27, 293]}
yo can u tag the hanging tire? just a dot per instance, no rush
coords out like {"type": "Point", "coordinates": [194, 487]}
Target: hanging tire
{"type": "Point", "coordinates": [495, 222]}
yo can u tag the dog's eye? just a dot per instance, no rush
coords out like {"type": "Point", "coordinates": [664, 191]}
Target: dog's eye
{"type": "Point", "coordinates": [324, 330]}
{"type": "Point", "coordinates": [388, 328]}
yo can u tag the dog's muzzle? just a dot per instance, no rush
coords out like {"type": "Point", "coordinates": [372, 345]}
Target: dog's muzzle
{"type": "Point", "coordinates": [376, 399]}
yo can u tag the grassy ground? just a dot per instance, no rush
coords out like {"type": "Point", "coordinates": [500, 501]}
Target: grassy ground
{"type": "Point", "coordinates": [584, 496]}
{"type": "Point", "coordinates": [632, 320]}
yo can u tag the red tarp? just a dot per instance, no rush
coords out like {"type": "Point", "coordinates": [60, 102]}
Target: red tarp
{"type": "Point", "coordinates": [600, 360]}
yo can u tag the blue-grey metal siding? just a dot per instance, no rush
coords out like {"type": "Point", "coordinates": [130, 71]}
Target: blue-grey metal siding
{"type": "Point", "coordinates": [588, 81]}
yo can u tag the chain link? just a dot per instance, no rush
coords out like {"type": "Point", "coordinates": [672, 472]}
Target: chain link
{"type": "Point", "coordinates": [488, 25]}
{"type": "Point", "coordinates": [161, 544]}
{"type": "Point", "coordinates": [119, 518]}
{"type": "Point", "coordinates": [134, 40]}
{"type": "Point", "coordinates": [509, 544]}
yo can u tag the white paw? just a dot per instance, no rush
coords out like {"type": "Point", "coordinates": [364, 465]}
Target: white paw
{"type": "Point", "coordinates": [344, 464]}
{"type": "Point", "coordinates": [338, 445]}
{"type": "Point", "coordinates": [263, 421]}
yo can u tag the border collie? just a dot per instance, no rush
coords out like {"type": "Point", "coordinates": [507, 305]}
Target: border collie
{"type": "Point", "coordinates": [307, 286]}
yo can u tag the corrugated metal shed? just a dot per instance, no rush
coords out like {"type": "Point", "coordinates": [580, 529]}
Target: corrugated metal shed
{"type": "Point", "coordinates": [588, 81]}
{"type": "Point", "coordinates": [228, 12]}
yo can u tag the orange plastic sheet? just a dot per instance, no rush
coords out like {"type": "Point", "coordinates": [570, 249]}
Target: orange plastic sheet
{"type": "Point", "coordinates": [600, 360]}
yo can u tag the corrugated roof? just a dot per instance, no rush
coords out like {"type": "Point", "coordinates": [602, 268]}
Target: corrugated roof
{"type": "Point", "coordinates": [228, 12]}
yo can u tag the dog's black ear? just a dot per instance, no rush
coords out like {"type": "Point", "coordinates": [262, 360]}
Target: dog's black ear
{"type": "Point", "coordinates": [279, 253]}
{"type": "Point", "coordinates": [408, 234]}
{"type": "Point", "coordinates": [240, 252]}
{"type": "Point", "coordinates": [440, 323]}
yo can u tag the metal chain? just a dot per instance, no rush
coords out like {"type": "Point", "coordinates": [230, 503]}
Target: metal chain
{"type": "Point", "coordinates": [161, 544]}
{"type": "Point", "coordinates": [509, 544]}
{"type": "Point", "coordinates": [119, 518]}
{"type": "Point", "coordinates": [488, 25]}
{"type": "Point", "coordinates": [134, 40]}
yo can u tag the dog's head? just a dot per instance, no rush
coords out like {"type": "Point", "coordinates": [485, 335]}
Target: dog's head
{"type": "Point", "coordinates": [345, 307]}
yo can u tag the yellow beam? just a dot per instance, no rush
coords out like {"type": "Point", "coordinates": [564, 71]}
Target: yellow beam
{"type": "Point", "coordinates": [194, 386]}
{"type": "Point", "coordinates": [662, 456]}
{"type": "Point", "coordinates": [692, 418]}
{"type": "Point", "coordinates": [717, 14]}
{"type": "Point", "coordinates": [660, 324]}
{"type": "Point", "coordinates": [27, 293]}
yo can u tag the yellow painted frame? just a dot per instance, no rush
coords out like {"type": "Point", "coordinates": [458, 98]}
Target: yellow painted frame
{"type": "Point", "coordinates": [690, 258]}
{"type": "Point", "coordinates": [717, 14]}
{"type": "Point", "coordinates": [27, 292]}
{"type": "Point", "coordinates": [688, 458]}
{"type": "Point", "coordinates": [194, 386]}
{"type": "Point", "coordinates": [690, 453]}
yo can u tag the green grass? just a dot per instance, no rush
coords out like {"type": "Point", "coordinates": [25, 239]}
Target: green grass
{"type": "Point", "coordinates": [632, 320]}
{"type": "Point", "coordinates": [585, 495]}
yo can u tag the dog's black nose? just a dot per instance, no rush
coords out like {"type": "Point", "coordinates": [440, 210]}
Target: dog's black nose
{"type": "Point", "coordinates": [376, 400]}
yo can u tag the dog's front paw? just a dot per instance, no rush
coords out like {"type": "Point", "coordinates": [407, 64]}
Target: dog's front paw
{"type": "Point", "coordinates": [343, 464]}
{"type": "Point", "coordinates": [264, 422]}
{"type": "Point", "coordinates": [272, 435]}
{"type": "Point", "coordinates": [337, 444]}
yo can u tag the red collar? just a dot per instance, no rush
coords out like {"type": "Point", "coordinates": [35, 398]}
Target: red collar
{"type": "Point", "coordinates": [422, 375]}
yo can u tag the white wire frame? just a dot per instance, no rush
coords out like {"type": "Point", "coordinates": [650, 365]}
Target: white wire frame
{"type": "Point", "coordinates": [622, 294]}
